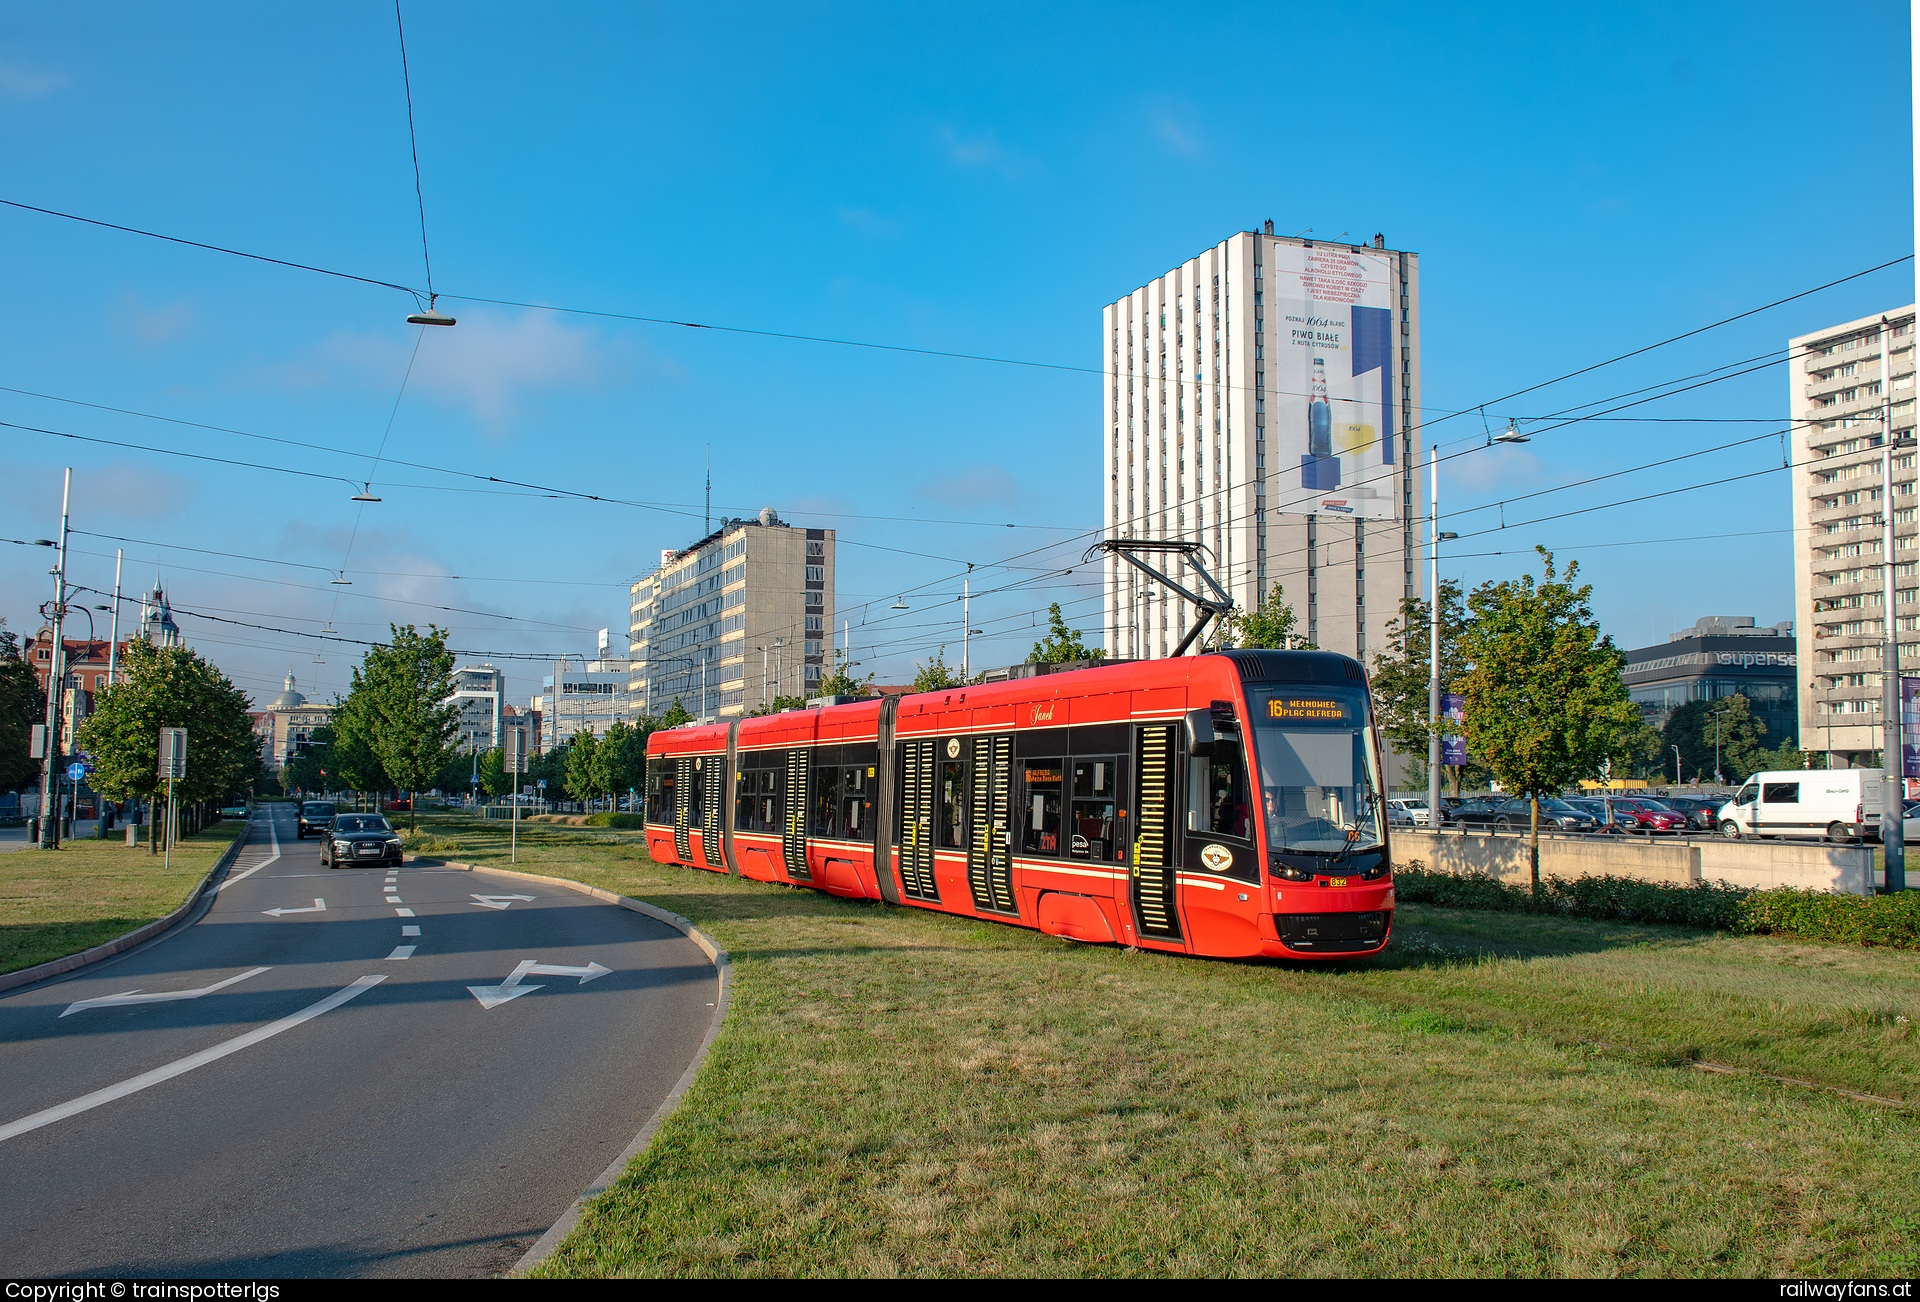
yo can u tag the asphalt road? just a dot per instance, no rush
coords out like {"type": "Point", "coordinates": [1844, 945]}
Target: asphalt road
{"type": "Point", "coordinates": [337, 1101]}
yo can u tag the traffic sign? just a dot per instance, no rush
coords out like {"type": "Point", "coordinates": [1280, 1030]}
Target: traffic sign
{"type": "Point", "coordinates": [173, 752]}
{"type": "Point", "coordinates": [75, 772]}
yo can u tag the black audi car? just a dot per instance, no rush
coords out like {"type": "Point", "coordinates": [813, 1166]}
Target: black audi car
{"type": "Point", "coordinates": [360, 839]}
{"type": "Point", "coordinates": [316, 816]}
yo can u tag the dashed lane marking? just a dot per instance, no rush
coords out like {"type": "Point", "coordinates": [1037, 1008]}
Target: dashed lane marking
{"type": "Point", "coordinates": [402, 951]}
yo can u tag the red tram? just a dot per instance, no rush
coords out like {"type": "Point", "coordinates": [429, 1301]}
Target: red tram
{"type": "Point", "coordinates": [1227, 805]}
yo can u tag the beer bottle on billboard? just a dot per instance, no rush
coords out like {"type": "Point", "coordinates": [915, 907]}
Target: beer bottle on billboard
{"type": "Point", "coordinates": [1319, 413]}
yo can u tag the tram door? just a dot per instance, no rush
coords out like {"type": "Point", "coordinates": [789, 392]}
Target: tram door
{"type": "Point", "coordinates": [920, 777]}
{"type": "Point", "coordinates": [714, 787]}
{"type": "Point", "coordinates": [683, 808]}
{"type": "Point", "coordinates": [793, 824]}
{"type": "Point", "coordinates": [990, 848]}
{"type": "Point", "coordinates": [1155, 799]}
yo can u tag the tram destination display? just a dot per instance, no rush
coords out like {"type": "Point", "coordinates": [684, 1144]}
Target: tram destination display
{"type": "Point", "coordinates": [1331, 420]}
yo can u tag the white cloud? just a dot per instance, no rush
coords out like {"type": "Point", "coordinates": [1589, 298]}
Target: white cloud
{"type": "Point", "coordinates": [157, 325]}
{"type": "Point", "coordinates": [982, 151]}
{"type": "Point", "coordinates": [1174, 127]}
{"type": "Point", "coordinates": [488, 364]}
{"type": "Point", "coordinates": [976, 487]}
{"type": "Point", "coordinates": [21, 82]}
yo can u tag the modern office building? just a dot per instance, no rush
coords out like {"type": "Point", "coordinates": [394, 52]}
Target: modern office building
{"type": "Point", "coordinates": [739, 618]}
{"type": "Point", "coordinates": [1261, 399]}
{"type": "Point", "coordinates": [1720, 656]}
{"type": "Point", "coordinates": [590, 697]}
{"type": "Point", "coordinates": [1842, 401]}
{"type": "Point", "coordinates": [481, 693]}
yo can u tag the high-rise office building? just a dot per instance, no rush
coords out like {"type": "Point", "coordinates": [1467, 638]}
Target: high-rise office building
{"type": "Point", "coordinates": [481, 693]}
{"type": "Point", "coordinates": [1261, 399]}
{"type": "Point", "coordinates": [741, 617]}
{"type": "Point", "coordinates": [1840, 409]}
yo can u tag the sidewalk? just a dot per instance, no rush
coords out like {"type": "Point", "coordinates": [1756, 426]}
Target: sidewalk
{"type": "Point", "coordinates": [15, 838]}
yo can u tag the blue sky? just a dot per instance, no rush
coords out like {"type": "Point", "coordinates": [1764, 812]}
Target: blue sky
{"type": "Point", "coordinates": [1577, 180]}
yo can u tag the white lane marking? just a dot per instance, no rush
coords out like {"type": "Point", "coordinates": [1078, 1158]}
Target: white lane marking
{"type": "Point", "coordinates": [319, 906]}
{"type": "Point", "coordinates": [159, 996]}
{"type": "Point", "coordinates": [402, 951]}
{"type": "Point", "coordinates": [180, 1067]}
{"type": "Point", "coordinates": [493, 996]}
{"type": "Point", "coordinates": [272, 858]}
{"type": "Point", "coordinates": [409, 931]}
{"type": "Point", "coordinates": [403, 913]}
{"type": "Point", "coordinates": [498, 901]}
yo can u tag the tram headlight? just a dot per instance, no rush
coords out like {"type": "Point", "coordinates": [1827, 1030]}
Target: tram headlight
{"type": "Point", "coordinates": [1290, 872]}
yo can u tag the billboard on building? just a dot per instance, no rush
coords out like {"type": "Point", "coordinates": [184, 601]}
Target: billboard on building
{"type": "Point", "coordinates": [1331, 423]}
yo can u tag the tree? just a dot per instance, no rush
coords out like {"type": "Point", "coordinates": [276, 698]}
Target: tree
{"type": "Point", "coordinates": [1544, 697]}
{"type": "Point", "coordinates": [935, 676]}
{"type": "Point", "coordinates": [1691, 728]}
{"type": "Point", "coordinates": [549, 767]}
{"type": "Point", "coordinates": [1271, 626]}
{"type": "Point", "coordinates": [842, 683]}
{"type": "Point", "coordinates": [494, 778]}
{"type": "Point", "coordinates": [1061, 644]}
{"type": "Point", "coordinates": [677, 714]}
{"type": "Point", "coordinates": [779, 703]}
{"type": "Point", "coordinates": [1400, 675]}
{"type": "Point", "coordinates": [622, 758]}
{"type": "Point", "coordinates": [1639, 751]}
{"type": "Point", "coordinates": [581, 783]}
{"type": "Point", "coordinates": [1784, 756]}
{"type": "Point", "coordinates": [311, 767]}
{"type": "Point", "coordinates": [406, 687]}
{"type": "Point", "coordinates": [355, 766]}
{"type": "Point", "coordinates": [170, 687]}
{"type": "Point", "coordinates": [22, 704]}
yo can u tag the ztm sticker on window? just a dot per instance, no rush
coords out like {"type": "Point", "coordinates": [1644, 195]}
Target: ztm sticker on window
{"type": "Point", "coordinates": [1317, 709]}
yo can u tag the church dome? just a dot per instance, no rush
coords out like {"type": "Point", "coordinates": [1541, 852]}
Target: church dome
{"type": "Point", "coordinates": [288, 698]}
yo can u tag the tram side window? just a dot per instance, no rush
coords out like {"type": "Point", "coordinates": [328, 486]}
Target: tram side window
{"type": "Point", "coordinates": [660, 790]}
{"type": "Point", "coordinates": [856, 802]}
{"type": "Point", "coordinates": [1096, 794]}
{"type": "Point", "coordinates": [1041, 783]}
{"type": "Point", "coordinates": [953, 804]}
{"type": "Point", "coordinates": [757, 803]}
{"type": "Point", "coordinates": [697, 794]}
{"type": "Point", "coordinates": [1218, 801]}
{"type": "Point", "coordinates": [825, 816]}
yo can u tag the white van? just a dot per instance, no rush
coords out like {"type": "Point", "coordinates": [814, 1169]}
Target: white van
{"type": "Point", "coordinates": [1838, 804]}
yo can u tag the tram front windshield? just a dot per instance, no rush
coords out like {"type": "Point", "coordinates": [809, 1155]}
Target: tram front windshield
{"type": "Point", "coordinates": [1319, 785]}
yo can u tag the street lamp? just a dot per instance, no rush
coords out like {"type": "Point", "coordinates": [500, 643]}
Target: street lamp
{"type": "Point", "coordinates": [1677, 778]}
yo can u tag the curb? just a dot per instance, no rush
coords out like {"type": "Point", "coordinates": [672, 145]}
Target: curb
{"type": "Point", "coordinates": [543, 1247]}
{"type": "Point", "coordinates": [138, 936]}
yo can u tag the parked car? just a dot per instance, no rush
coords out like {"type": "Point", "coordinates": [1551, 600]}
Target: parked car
{"type": "Point", "coordinates": [1477, 811]}
{"type": "Point", "coordinates": [401, 804]}
{"type": "Point", "coordinates": [360, 839]}
{"type": "Point", "coordinates": [316, 817]}
{"type": "Point", "coordinates": [1416, 810]}
{"type": "Point", "coordinates": [1556, 815]}
{"type": "Point", "coordinates": [1703, 812]}
{"type": "Point", "coordinates": [233, 811]}
{"type": "Point", "coordinates": [1640, 814]}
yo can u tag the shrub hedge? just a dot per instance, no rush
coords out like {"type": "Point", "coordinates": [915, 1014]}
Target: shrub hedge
{"type": "Point", "coordinates": [629, 822]}
{"type": "Point", "coordinates": [1891, 920]}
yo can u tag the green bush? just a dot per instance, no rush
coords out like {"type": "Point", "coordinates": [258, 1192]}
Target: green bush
{"type": "Point", "coordinates": [629, 822]}
{"type": "Point", "coordinates": [1891, 920]}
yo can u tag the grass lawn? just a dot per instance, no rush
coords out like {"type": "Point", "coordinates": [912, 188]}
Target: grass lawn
{"type": "Point", "coordinates": [55, 903]}
{"type": "Point", "coordinates": [897, 1092]}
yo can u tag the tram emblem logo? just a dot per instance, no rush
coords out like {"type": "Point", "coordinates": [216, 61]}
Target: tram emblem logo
{"type": "Point", "coordinates": [1217, 857]}
{"type": "Point", "coordinates": [953, 748]}
{"type": "Point", "coordinates": [1043, 713]}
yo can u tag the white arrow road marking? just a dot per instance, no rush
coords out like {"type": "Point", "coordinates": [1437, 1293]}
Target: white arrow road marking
{"type": "Point", "coordinates": [272, 858]}
{"type": "Point", "coordinates": [159, 996]}
{"type": "Point", "coordinates": [498, 901]}
{"type": "Point", "coordinates": [182, 1066]}
{"type": "Point", "coordinates": [319, 906]}
{"type": "Point", "coordinates": [494, 996]}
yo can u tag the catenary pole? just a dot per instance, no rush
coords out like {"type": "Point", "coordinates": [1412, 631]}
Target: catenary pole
{"type": "Point", "coordinates": [113, 633]}
{"type": "Point", "coordinates": [1892, 784]}
{"type": "Point", "coordinates": [56, 681]}
{"type": "Point", "coordinates": [1433, 650]}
